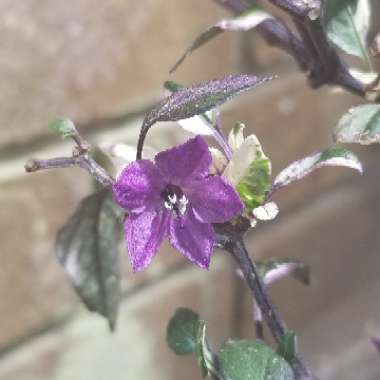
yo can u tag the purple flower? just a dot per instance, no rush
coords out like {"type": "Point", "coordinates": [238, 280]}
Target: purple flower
{"type": "Point", "coordinates": [176, 197]}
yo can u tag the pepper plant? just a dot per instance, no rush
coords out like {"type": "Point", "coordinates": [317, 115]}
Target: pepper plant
{"type": "Point", "coordinates": [207, 194]}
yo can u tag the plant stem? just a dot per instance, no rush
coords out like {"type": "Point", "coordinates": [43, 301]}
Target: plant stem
{"type": "Point", "coordinates": [312, 51]}
{"type": "Point", "coordinates": [219, 137]}
{"type": "Point", "coordinates": [236, 247]}
{"type": "Point", "coordinates": [80, 157]}
{"type": "Point", "coordinates": [238, 250]}
{"type": "Point", "coordinates": [83, 161]}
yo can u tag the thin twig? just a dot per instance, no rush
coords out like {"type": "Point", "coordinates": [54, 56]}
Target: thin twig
{"type": "Point", "coordinates": [313, 52]}
{"type": "Point", "coordinates": [276, 33]}
{"type": "Point", "coordinates": [275, 323]}
{"type": "Point", "coordinates": [256, 312]}
{"type": "Point", "coordinates": [83, 161]}
{"type": "Point", "coordinates": [326, 66]}
{"type": "Point", "coordinates": [300, 8]}
{"type": "Point", "coordinates": [80, 157]}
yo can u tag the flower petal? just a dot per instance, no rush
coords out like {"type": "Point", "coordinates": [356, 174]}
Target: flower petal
{"type": "Point", "coordinates": [247, 153]}
{"type": "Point", "coordinates": [214, 200]}
{"type": "Point", "coordinates": [144, 234]}
{"type": "Point", "coordinates": [236, 136]}
{"type": "Point", "coordinates": [192, 238]}
{"type": "Point", "coordinates": [219, 161]}
{"type": "Point", "coordinates": [185, 162]}
{"type": "Point", "coordinates": [139, 186]}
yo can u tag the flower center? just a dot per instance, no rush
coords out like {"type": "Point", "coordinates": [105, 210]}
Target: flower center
{"type": "Point", "coordinates": [175, 200]}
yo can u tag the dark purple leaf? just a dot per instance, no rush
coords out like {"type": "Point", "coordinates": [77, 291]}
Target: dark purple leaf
{"type": "Point", "coordinates": [244, 22]}
{"type": "Point", "coordinates": [87, 249]}
{"type": "Point", "coordinates": [197, 99]}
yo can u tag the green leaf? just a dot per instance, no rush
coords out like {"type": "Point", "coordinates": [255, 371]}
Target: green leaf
{"type": "Point", "coordinates": [208, 361]}
{"type": "Point", "coordinates": [63, 127]}
{"type": "Point", "coordinates": [253, 360]}
{"type": "Point", "coordinates": [272, 270]}
{"type": "Point", "coordinates": [87, 247]}
{"type": "Point", "coordinates": [186, 334]}
{"type": "Point", "coordinates": [244, 22]}
{"type": "Point", "coordinates": [347, 23]}
{"type": "Point", "coordinates": [182, 333]}
{"type": "Point", "coordinates": [250, 172]}
{"type": "Point", "coordinates": [254, 186]}
{"type": "Point", "coordinates": [198, 99]}
{"type": "Point", "coordinates": [360, 125]}
{"type": "Point", "coordinates": [334, 156]}
{"type": "Point", "coordinates": [287, 347]}
{"type": "Point", "coordinates": [201, 350]}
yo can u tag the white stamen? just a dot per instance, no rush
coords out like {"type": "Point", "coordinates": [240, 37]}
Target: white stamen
{"type": "Point", "coordinates": [182, 205]}
{"type": "Point", "coordinates": [172, 198]}
{"type": "Point", "coordinates": [179, 205]}
{"type": "Point", "coordinates": [168, 205]}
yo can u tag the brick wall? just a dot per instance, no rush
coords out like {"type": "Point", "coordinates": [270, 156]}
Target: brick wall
{"type": "Point", "coordinates": [94, 61]}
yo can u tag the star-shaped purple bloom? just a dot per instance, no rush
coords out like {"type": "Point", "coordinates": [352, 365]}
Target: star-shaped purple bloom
{"type": "Point", "coordinates": [176, 197]}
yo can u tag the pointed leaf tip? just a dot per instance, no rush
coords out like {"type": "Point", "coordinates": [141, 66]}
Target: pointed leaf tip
{"type": "Point", "coordinates": [244, 22]}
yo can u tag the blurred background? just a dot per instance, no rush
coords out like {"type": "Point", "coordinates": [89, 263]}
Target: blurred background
{"type": "Point", "coordinates": [102, 64]}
